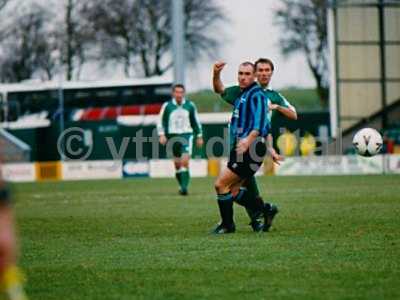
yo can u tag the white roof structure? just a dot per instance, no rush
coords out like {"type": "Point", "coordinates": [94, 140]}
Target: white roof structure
{"type": "Point", "coordinates": [38, 85]}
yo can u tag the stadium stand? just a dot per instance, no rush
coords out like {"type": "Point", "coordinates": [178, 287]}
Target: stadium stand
{"type": "Point", "coordinates": [113, 112]}
{"type": "Point", "coordinates": [13, 149]}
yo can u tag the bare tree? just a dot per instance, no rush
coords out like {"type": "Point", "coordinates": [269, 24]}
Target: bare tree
{"type": "Point", "coordinates": [153, 35]}
{"type": "Point", "coordinates": [202, 22]}
{"type": "Point", "coordinates": [304, 23]}
{"type": "Point", "coordinates": [26, 46]}
{"type": "Point", "coordinates": [75, 38]}
{"type": "Point", "coordinates": [135, 33]}
{"type": "Point", "coordinates": [3, 3]}
{"type": "Point", "coordinates": [138, 32]}
{"type": "Point", "coordinates": [114, 23]}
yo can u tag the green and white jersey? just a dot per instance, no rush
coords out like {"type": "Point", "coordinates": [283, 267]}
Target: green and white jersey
{"type": "Point", "coordinates": [232, 93]}
{"type": "Point", "coordinates": [179, 119]}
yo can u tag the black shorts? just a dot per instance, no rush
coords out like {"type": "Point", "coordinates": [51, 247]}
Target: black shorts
{"type": "Point", "coordinates": [181, 144]}
{"type": "Point", "coordinates": [247, 164]}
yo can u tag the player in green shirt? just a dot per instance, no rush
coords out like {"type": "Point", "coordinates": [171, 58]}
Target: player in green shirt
{"type": "Point", "coordinates": [178, 122]}
{"type": "Point", "coordinates": [254, 204]}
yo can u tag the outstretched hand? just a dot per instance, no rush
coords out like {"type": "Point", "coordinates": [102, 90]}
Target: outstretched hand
{"type": "Point", "coordinates": [272, 106]}
{"type": "Point", "coordinates": [199, 142]}
{"type": "Point", "coordinates": [162, 139]}
{"type": "Point", "coordinates": [277, 158]}
{"type": "Point", "coordinates": [242, 146]}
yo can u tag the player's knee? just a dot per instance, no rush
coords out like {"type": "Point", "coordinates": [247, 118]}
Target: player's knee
{"type": "Point", "coordinates": [219, 186]}
{"type": "Point", "coordinates": [235, 190]}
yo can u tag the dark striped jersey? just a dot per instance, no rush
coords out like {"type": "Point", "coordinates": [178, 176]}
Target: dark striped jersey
{"type": "Point", "coordinates": [250, 110]}
{"type": "Point", "coordinates": [232, 92]}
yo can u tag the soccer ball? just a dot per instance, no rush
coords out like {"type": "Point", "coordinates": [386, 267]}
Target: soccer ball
{"type": "Point", "coordinates": [367, 142]}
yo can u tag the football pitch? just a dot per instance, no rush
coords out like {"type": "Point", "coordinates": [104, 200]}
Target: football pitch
{"type": "Point", "coordinates": [335, 238]}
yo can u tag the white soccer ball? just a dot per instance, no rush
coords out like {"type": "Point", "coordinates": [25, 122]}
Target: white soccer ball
{"type": "Point", "coordinates": [367, 142]}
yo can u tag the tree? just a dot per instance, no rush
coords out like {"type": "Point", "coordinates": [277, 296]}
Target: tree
{"type": "Point", "coordinates": [27, 45]}
{"type": "Point", "coordinates": [3, 3]}
{"type": "Point", "coordinates": [201, 18]}
{"type": "Point", "coordinates": [114, 24]}
{"type": "Point", "coordinates": [153, 35]}
{"type": "Point", "coordinates": [304, 23]}
{"type": "Point", "coordinates": [75, 38]}
{"type": "Point", "coordinates": [138, 32]}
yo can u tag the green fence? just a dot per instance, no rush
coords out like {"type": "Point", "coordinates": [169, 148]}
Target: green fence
{"type": "Point", "coordinates": [43, 141]}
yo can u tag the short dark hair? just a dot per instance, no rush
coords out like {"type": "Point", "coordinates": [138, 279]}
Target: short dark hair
{"type": "Point", "coordinates": [178, 85]}
{"type": "Point", "coordinates": [248, 63]}
{"type": "Point", "coordinates": [264, 61]}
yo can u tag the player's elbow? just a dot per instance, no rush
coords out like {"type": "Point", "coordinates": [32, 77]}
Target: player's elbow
{"type": "Point", "coordinates": [292, 113]}
{"type": "Point", "coordinates": [218, 88]}
{"type": "Point", "coordinates": [218, 91]}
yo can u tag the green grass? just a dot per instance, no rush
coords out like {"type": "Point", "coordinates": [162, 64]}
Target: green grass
{"type": "Point", "coordinates": [303, 99]}
{"type": "Point", "coordinates": [208, 101]}
{"type": "Point", "coordinates": [335, 238]}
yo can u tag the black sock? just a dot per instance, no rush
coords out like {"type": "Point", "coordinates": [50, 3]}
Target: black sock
{"type": "Point", "coordinates": [225, 204]}
{"type": "Point", "coordinates": [254, 205]}
{"type": "Point", "coordinates": [241, 198]}
{"type": "Point", "coordinates": [259, 203]}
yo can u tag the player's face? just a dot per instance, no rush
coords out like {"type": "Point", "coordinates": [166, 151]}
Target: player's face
{"type": "Point", "coordinates": [264, 74]}
{"type": "Point", "coordinates": [245, 76]}
{"type": "Point", "coordinates": [178, 93]}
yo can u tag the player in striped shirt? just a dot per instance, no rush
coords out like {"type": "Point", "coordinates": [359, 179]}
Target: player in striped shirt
{"type": "Point", "coordinates": [254, 204]}
{"type": "Point", "coordinates": [249, 129]}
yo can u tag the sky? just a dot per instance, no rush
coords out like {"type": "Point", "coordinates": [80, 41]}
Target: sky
{"type": "Point", "coordinates": [254, 27]}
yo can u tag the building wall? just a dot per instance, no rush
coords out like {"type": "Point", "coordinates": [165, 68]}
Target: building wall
{"type": "Point", "coordinates": [358, 59]}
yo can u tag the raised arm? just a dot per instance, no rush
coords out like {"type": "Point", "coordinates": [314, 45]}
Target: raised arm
{"type": "Point", "coordinates": [218, 86]}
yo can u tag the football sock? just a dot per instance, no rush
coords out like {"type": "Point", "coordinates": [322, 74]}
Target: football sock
{"type": "Point", "coordinates": [255, 207]}
{"type": "Point", "coordinates": [249, 197]}
{"type": "Point", "coordinates": [185, 178]}
{"type": "Point", "coordinates": [252, 187]}
{"type": "Point", "coordinates": [254, 193]}
{"type": "Point", "coordinates": [225, 204]}
{"type": "Point", "coordinates": [242, 197]}
{"type": "Point", "coordinates": [11, 284]}
{"type": "Point", "coordinates": [178, 177]}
